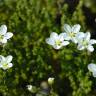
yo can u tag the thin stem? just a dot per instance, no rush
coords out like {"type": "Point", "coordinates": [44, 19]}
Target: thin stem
{"type": "Point", "coordinates": [4, 77]}
{"type": "Point", "coordinates": [51, 91]}
{"type": "Point", "coordinates": [4, 81]}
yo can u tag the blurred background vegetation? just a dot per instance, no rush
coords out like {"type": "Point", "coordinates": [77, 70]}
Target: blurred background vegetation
{"type": "Point", "coordinates": [31, 22]}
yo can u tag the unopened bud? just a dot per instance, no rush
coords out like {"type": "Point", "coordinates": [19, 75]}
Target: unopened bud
{"type": "Point", "coordinates": [50, 81]}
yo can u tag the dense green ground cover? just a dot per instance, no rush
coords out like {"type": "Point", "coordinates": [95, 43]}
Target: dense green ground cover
{"type": "Point", "coordinates": [31, 22]}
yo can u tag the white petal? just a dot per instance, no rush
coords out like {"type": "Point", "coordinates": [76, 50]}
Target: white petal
{"type": "Point", "coordinates": [8, 35]}
{"type": "Point", "coordinates": [92, 67]}
{"type": "Point", "coordinates": [90, 48]}
{"type": "Point", "coordinates": [56, 47]}
{"type": "Point", "coordinates": [80, 47]}
{"type": "Point", "coordinates": [1, 65]}
{"type": "Point", "coordinates": [4, 40]}
{"type": "Point", "coordinates": [64, 43]}
{"type": "Point", "coordinates": [67, 28]}
{"type": "Point", "coordinates": [66, 36]}
{"type": "Point", "coordinates": [54, 35]}
{"type": "Point", "coordinates": [3, 29]}
{"type": "Point", "coordinates": [94, 74]}
{"type": "Point", "coordinates": [4, 68]}
{"type": "Point", "coordinates": [2, 58]}
{"type": "Point", "coordinates": [92, 41]}
{"type": "Point", "coordinates": [75, 40]}
{"type": "Point", "coordinates": [61, 36]}
{"type": "Point", "coordinates": [10, 65]}
{"type": "Point", "coordinates": [50, 41]}
{"type": "Point", "coordinates": [9, 59]}
{"type": "Point", "coordinates": [80, 35]}
{"type": "Point", "coordinates": [87, 36]}
{"type": "Point", "coordinates": [76, 28]}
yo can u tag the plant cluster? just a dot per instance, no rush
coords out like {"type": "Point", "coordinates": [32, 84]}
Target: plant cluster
{"type": "Point", "coordinates": [71, 26]}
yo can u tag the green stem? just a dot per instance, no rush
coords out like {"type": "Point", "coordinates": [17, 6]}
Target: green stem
{"type": "Point", "coordinates": [51, 91]}
{"type": "Point", "coordinates": [4, 78]}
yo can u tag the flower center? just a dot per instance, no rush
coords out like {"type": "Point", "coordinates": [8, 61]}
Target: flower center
{"type": "Point", "coordinates": [85, 43]}
{"type": "Point", "coordinates": [1, 37]}
{"type": "Point", "coordinates": [72, 34]}
{"type": "Point", "coordinates": [58, 42]}
{"type": "Point", "coordinates": [5, 65]}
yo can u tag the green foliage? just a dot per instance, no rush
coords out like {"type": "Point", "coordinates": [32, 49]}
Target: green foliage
{"type": "Point", "coordinates": [31, 22]}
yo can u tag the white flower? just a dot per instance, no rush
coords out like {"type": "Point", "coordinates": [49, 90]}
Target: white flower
{"type": "Point", "coordinates": [50, 80]}
{"type": "Point", "coordinates": [86, 43]}
{"type": "Point", "coordinates": [29, 87]}
{"type": "Point", "coordinates": [57, 41]}
{"type": "Point", "coordinates": [72, 33]}
{"type": "Point", "coordinates": [5, 62]}
{"type": "Point", "coordinates": [92, 68]}
{"type": "Point", "coordinates": [4, 35]}
{"type": "Point", "coordinates": [32, 88]}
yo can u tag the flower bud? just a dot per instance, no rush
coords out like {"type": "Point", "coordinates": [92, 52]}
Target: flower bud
{"type": "Point", "coordinates": [44, 85]}
{"type": "Point", "coordinates": [31, 88]}
{"type": "Point", "coordinates": [50, 81]}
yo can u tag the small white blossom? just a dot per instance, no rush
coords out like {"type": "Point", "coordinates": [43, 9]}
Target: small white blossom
{"type": "Point", "coordinates": [72, 33]}
{"type": "Point", "coordinates": [5, 62]}
{"type": "Point", "coordinates": [32, 88]}
{"type": "Point", "coordinates": [86, 43]}
{"type": "Point", "coordinates": [50, 80]}
{"type": "Point", "coordinates": [29, 87]}
{"type": "Point", "coordinates": [57, 41]}
{"type": "Point", "coordinates": [4, 35]}
{"type": "Point", "coordinates": [92, 68]}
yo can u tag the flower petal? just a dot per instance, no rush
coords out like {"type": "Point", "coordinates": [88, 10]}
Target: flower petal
{"type": "Point", "coordinates": [87, 36]}
{"type": "Point", "coordinates": [80, 47]}
{"type": "Point", "coordinates": [94, 74]}
{"type": "Point", "coordinates": [56, 47]}
{"type": "Point", "coordinates": [80, 35]}
{"type": "Point", "coordinates": [50, 41]}
{"type": "Point", "coordinates": [10, 65]}
{"type": "Point", "coordinates": [76, 28]}
{"type": "Point", "coordinates": [67, 28]}
{"type": "Point", "coordinates": [66, 36]}
{"type": "Point", "coordinates": [4, 67]}
{"type": "Point", "coordinates": [74, 40]}
{"type": "Point", "coordinates": [92, 67]}
{"type": "Point", "coordinates": [3, 29]}
{"type": "Point", "coordinates": [2, 58]}
{"type": "Point", "coordinates": [61, 36]}
{"type": "Point", "coordinates": [54, 35]}
{"type": "Point", "coordinates": [9, 59]}
{"type": "Point", "coordinates": [90, 48]}
{"type": "Point", "coordinates": [92, 41]}
{"type": "Point", "coordinates": [4, 40]}
{"type": "Point", "coordinates": [64, 43]}
{"type": "Point", "coordinates": [1, 65]}
{"type": "Point", "coordinates": [8, 35]}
